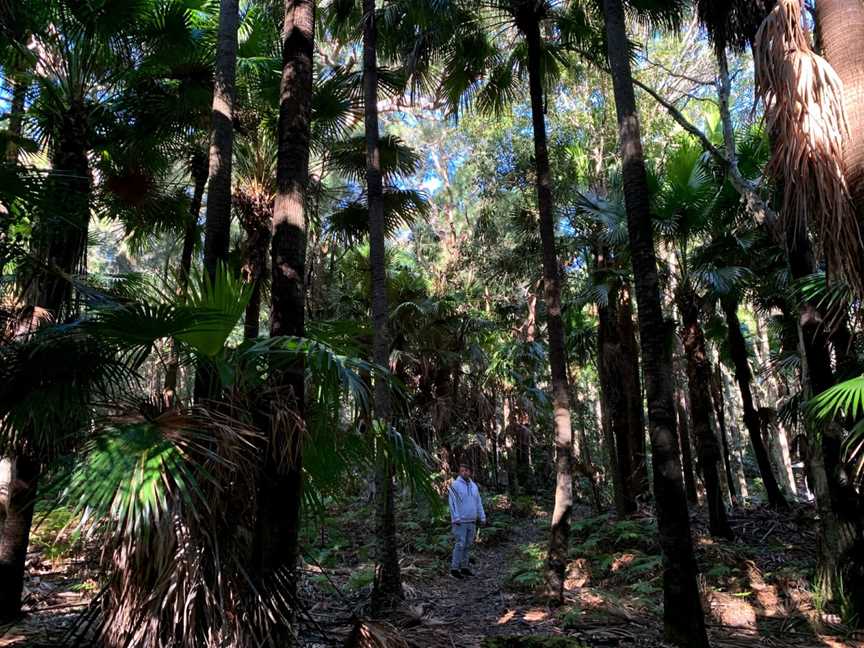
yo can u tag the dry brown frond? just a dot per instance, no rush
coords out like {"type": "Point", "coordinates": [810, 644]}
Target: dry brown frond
{"type": "Point", "coordinates": [805, 116]}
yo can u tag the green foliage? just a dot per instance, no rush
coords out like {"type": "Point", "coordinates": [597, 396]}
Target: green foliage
{"type": "Point", "coordinates": [529, 573]}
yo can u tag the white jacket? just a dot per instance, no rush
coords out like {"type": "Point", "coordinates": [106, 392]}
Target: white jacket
{"type": "Point", "coordinates": [465, 503]}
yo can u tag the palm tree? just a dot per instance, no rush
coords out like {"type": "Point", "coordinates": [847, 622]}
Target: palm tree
{"type": "Point", "coordinates": [528, 17]}
{"type": "Point", "coordinates": [280, 486]}
{"type": "Point", "coordinates": [218, 213]}
{"type": "Point", "coordinates": [388, 581]}
{"type": "Point", "coordinates": [683, 617]}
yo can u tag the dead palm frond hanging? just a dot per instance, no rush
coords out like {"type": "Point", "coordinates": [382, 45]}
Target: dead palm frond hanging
{"type": "Point", "coordinates": [804, 110]}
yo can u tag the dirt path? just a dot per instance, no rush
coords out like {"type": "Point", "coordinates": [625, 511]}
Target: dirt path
{"type": "Point", "coordinates": [467, 610]}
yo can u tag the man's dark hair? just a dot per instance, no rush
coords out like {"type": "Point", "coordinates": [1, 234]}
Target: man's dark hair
{"type": "Point", "coordinates": [466, 465]}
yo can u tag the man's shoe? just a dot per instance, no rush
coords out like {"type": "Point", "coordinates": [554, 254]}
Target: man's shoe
{"type": "Point", "coordinates": [455, 573]}
{"type": "Point", "coordinates": [466, 572]}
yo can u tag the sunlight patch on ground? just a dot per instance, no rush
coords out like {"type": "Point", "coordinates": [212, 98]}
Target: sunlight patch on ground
{"type": "Point", "coordinates": [536, 614]}
{"type": "Point", "coordinates": [507, 617]}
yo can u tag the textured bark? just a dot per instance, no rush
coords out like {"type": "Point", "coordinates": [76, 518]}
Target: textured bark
{"type": "Point", "coordinates": [699, 388]}
{"type": "Point", "coordinates": [841, 30]}
{"type": "Point", "coordinates": [217, 227]}
{"type": "Point", "coordinates": [387, 588]}
{"type": "Point", "coordinates": [15, 533]}
{"type": "Point", "coordinates": [217, 219]}
{"type": "Point", "coordinates": [752, 421]}
{"type": "Point", "coordinates": [280, 487]}
{"type": "Point", "coordinates": [563, 434]}
{"type": "Point", "coordinates": [255, 213]}
{"type": "Point", "coordinates": [683, 618]}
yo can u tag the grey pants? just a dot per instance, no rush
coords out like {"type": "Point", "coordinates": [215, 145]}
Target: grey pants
{"type": "Point", "coordinates": [464, 534]}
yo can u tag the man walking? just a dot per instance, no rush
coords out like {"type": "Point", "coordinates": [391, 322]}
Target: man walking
{"type": "Point", "coordinates": [466, 509]}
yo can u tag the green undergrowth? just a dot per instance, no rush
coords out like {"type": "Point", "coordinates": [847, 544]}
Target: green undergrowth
{"type": "Point", "coordinates": [55, 534]}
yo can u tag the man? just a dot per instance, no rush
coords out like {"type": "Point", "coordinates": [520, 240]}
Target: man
{"type": "Point", "coordinates": [466, 509]}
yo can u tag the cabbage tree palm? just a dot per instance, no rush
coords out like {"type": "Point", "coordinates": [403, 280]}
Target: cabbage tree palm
{"type": "Point", "coordinates": [683, 618]}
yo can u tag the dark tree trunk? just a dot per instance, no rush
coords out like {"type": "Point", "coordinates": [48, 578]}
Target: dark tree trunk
{"type": "Point", "coordinates": [683, 618]}
{"type": "Point", "coordinates": [563, 433]}
{"type": "Point", "coordinates": [612, 368]}
{"type": "Point", "coordinates": [738, 351]}
{"type": "Point", "coordinates": [387, 589]}
{"type": "Point", "coordinates": [15, 534]}
{"type": "Point", "coordinates": [199, 164]}
{"type": "Point", "coordinates": [277, 529]}
{"type": "Point", "coordinates": [686, 451]}
{"type": "Point", "coordinates": [633, 392]}
{"type": "Point", "coordinates": [720, 415]}
{"type": "Point", "coordinates": [699, 388]}
{"type": "Point", "coordinates": [217, 228]}
{"type": "Point", "coordinates": [255, 213]}
{"type": "Point", "coordinates": [217, 219]}
{"type": "Point", "coordinates": [841, 541]}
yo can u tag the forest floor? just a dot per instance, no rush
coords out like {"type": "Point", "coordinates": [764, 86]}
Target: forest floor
{"type": "Point", "coordinates": [756, 589]}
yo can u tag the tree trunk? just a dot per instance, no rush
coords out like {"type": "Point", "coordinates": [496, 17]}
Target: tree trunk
{"type": "Point", "coordinates": [720, 416]}
{"type": "Point", "coordinates": [841, 30]}
{"type": "Point", "coordinates": [686, 451]}
{"type": "Point", "coordinates": [255, 213]}
{"type": "Point", "coordinates": [633, 393]}
{"type": "Point", "coordinates": [15, 534]}
{"type": "Point", "coordinates": [699, 387]}
{"type": "Point", "coordinates": [217, 228]}
{"type": "Point", "coordinates": [190, 239]}
{"type": "Point", "coordinates": [841, 541]}
{"type": "Point", "coordinates": [684, 622]}
{"type": "Point", "coordinates": [280, 487]}
{"type": "Point", "coordinates": [217, 219]}
{"type": "Point", "coordinates": [387, 589]}
{"type": "Point", "coordinates": [738, 351]}
{"type": "Point", "coordinates": [563, 434]}
{"type": "Point", "coordinates": [612, 367]}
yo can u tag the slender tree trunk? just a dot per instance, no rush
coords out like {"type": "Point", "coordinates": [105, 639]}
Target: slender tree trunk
{"type": "Point", "coordinates": [686, 451]}
{"type": "Point", "coordinates": [217, 220]}
{"type": "Point", "coordinates": [684, 622]}
{"type": "Point", "coordinates": [699, 386]}
{"type": "Point", "coordinates": [563, 434]}
{"type": "Point", "coordinates": [255, 213]}
{"type": "Point", "coordinates": [738, 351]}
{"type": "Point", "coordinates": [612, 367]}
{"type": "Point", "coordinates": [280, 488]}
{"type": "Point", "coordinates": [720, 416]}
{"type": "Point", "coordinates": [217, 228]}
{"type": "Point", "coordinates": [190, 239]}
{"type": "Point", "coordinates": [387, 589]}
{"type": "Point", "coordinates": [633, 392]}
